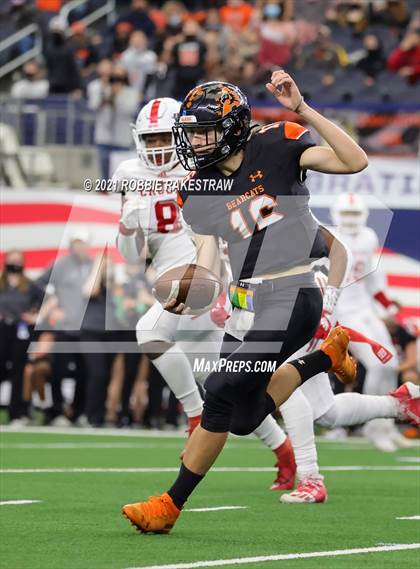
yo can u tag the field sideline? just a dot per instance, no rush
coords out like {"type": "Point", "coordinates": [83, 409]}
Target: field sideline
{"type": "Point", "coordinates": [61, 493]}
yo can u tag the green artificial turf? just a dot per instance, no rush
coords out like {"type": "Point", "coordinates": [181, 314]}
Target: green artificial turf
{"type": "Point", "coordinates": [78, 525]}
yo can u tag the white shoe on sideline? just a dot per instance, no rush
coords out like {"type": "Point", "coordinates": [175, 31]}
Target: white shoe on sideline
{"type": "Point", "coordinates": [20, 423]}
{"type": "Point", "coordinates": [61, 421]}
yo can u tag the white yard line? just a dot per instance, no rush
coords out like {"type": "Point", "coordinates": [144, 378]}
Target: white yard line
{"type": "Point", "coordinates": [217, 509]}
{"type": "Point", "coordinates": [151, 445]}
{"type": "Point", "coordinates": [153, 433]}
{"type": "Point", "coordinates": [284, 557]}
{"type": "Point", "coordinates": [19, 502]}
{"type": "Point", "coordinates": [409, 518]}
{"type": "Point", "coordinates": [408, 458]}
{"type": "Point", "coordinates": [227, 469]}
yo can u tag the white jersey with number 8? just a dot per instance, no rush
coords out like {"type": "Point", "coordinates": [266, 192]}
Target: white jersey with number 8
{"type": "Point", "coordinates": [166, 234]}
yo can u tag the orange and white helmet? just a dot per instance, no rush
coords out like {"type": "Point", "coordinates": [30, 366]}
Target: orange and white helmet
{"type": "Point", "coordinates": [349, 213]}
{"type": "Point", "coordinates": [158, 116]}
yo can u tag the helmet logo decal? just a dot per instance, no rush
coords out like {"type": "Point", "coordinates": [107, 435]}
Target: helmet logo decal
{"type": "Point", "coordinates": [193, 95]}
{"type": "Point", "coordinates": [229, 99]}
{"type": "Point", "coordinates": [154, 113]}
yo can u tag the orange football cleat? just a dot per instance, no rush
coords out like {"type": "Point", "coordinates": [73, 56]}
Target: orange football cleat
{"type": "Point", "coordinates": [157, 515]}
{"type": "Point", "coordinates": [335, 347]}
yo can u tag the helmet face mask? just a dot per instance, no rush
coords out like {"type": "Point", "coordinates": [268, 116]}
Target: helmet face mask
{"type": "Point", "coordinates": [349, 213]}
{"type": "Point", "coordinates": [213, 123]}
{"type": "Point", "coordinates": [200, 146]}
{"type": "Point", "coordinates": [156, 156]}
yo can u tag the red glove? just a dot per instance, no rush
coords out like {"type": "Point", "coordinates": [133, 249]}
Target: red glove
{"type": "Point", "coordinates": [392, 307]}
{"type": "Point", "coordinates": [324, 327]}
{"type": "Point", "coordinates": [218, 314]}
{"type": "Point", "coordinates": [330, 299]}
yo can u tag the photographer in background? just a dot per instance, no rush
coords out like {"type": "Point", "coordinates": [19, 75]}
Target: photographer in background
{"type": "Point", "coordinates": [20, 300]}
{"type": "Point", "coordinates": [115, 103]}
{"type": "Point", "coordinates": [32, 84]}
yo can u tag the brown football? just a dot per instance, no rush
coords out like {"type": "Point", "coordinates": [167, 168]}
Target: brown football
{"type": "Point", "coordinates": [195, 286]}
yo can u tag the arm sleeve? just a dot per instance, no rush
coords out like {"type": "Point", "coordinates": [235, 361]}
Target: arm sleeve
{"type": "Point", "coordinates": [127, 245]}
{"type": "Point", "coordinates": [375, 278]}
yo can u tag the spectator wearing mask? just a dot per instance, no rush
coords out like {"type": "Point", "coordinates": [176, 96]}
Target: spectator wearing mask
{"type": "Point", "coordinates": [139, 61]}
{"type": "Point", "coordinates": [138, 16]}
{"type": "Point", "coordinates": [32, 84]}
{"type": "Point", "coordinates": [372, 60]}
{"type": "Point", "coordinates": [115, 103]}
{"type": "Point", "coordinates": [65, 278]}
{"type": "Point", "coordinates": [405, 59]}
{"type": "Point", "coordinates": [277, 37]}
{"type": "Point", "coordinates": [169, 18]}
{"type": "Point", "coordinates": [63, 72]}
{"type": "Point", "coordinates": [188, 57]}
{"type": "Point", "coordinates": [20, 300]}
{"type": "Point", "coordinates": [85, 53]}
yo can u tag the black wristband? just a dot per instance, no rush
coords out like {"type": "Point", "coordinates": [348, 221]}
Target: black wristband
{"type": "Point", "coordinates": [299, 104]}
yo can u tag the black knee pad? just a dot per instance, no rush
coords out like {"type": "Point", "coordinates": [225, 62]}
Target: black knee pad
{"type": "Point", "coordinates": [248, 415]}
{"type": "Point", "coordinates": [217, 384]}
{"type": "Point", "coordinates": [217, 414]}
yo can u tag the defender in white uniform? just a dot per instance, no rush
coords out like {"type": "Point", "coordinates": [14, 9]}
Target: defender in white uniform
{"type": "Point", "coordinates": [150, 216]}
{"type": "Point", "coordinates": [356, 309]}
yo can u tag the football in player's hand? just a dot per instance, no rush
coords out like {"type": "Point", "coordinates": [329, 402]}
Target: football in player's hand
{"type": "Point", "coordinates": [192, 285]}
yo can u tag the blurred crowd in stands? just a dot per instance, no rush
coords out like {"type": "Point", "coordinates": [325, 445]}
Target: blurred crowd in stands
{"type": "Point", "coordinates": [166, 47]}
{"type": "Point", "coordinates": [83, 321]}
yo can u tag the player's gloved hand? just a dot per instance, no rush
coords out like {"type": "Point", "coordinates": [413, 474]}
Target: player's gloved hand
{"type": "Point", "coordinates": [392, 306]}
{"type": "Point", "coordinates": [130, 216]}
{"type": "Point", "coordinates": [330, 299]}
{"type": "Point", "coordinates": [218, 313]}
{"type": "Point", "coordinates": [325, 326]}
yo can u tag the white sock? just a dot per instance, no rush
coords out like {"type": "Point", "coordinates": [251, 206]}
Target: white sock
{"type": "Point", "coordinates": [175, 369]}
{"type": "Point", "coordinates": [299, 424]}
{"type": "Point", "coordinates": [355, 409]}
{"type": "Point", "coordinates": [270, 433]}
